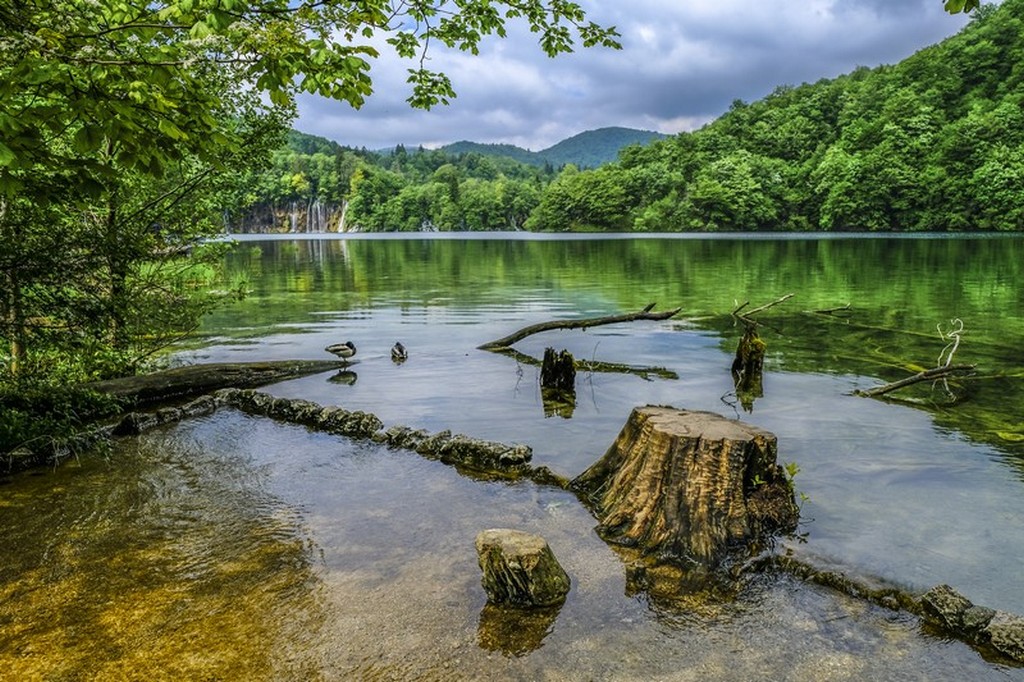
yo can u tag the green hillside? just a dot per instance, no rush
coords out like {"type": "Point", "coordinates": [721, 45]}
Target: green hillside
{"type": "Point", "coordinates": [508, 151]}
{"type": "Point", "coordinates": [594, 148]}
{"type": "Point", "coordinates": [933, 143]}
{"type": "Point", "coordinates": [589, 149]}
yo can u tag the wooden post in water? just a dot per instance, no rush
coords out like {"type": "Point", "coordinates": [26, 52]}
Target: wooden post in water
{"type": "Point", "coordinates": [558, 383]}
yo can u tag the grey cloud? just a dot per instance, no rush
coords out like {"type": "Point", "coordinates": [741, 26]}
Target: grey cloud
{"type": "Point", "coordinates": [681, 65]}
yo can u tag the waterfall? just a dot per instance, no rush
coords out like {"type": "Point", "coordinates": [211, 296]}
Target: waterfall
{"type": "Point", "coordinates": [293, 217]}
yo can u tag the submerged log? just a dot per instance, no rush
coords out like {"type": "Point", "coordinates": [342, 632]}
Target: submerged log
{"type": "Point", "coordinates": [679, 484]}
{"type": "Point", "coordinates": [932, 374]}
{"type": "Point", "coordinates": [190, 381]}
{"type": "Point", "coordinates": [519, 569]}
{"type": "Point", "coordinates": [597, 366]}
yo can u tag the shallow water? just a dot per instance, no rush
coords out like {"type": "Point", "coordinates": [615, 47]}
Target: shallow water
{"type": "Point", "coordinates": [233, 547]}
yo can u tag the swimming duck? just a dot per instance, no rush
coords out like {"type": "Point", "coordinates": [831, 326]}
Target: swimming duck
{"type": "Point", "coordinates": [398, 352]}
{"type": "Point", "coordinates": [342, 350]}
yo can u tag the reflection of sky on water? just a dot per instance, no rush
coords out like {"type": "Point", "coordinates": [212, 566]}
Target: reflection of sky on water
{"type": "Point", "coordinates": [890, 494]}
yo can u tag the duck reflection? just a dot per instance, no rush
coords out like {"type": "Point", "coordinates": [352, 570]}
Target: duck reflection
{"type": "Point", "coordinates": [345, 376]}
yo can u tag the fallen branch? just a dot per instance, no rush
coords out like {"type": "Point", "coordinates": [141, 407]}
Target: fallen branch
{"type": "Point", "coordinates": [645, 314]}
{"type": "Point", "coordinates": [840, 311]}
{"type": "Point", "coordinates": [645, 373]}
{"type": "Point", "coordinates": [747, 317]}
{"type": "Point", "coordinates": [926, 375]}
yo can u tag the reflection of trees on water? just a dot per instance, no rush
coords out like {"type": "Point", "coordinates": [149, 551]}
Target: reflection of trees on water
{"type": "Point", "coordinates": [897, 291]}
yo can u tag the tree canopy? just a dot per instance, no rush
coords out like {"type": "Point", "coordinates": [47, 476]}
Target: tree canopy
{"type": "Point", "coordinates": [932, 143]}
{"type": "Point", "coordinates": [135, 71]}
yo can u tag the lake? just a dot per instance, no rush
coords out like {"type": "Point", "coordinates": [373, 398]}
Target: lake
{"type": "Point", "coordinates": [234, 547]}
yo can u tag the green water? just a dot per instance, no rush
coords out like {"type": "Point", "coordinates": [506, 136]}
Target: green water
{"type": "Point", "coordinates": [235, 548]}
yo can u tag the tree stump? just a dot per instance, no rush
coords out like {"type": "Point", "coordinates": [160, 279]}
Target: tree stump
{"type": "Point", "coordinates": [558, 371]}
{"type": "Point", "coordinates": [520, 569]}
{"type": "Point", "coordinates": [748, 368]}
{"type": "Point", "coordinates": [688, 485]}
{"type": "Point", "coordinates": [558, 383]}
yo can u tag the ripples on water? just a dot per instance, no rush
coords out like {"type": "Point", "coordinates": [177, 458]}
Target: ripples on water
{"type": "Point", "coordinates": [236, 548]}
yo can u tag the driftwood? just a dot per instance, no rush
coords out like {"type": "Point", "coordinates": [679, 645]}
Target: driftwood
{"type": "Point", "coordinates": [926, 375]}
{"type": "Point", "coordinates": [645, 314]}
{"type": "Point", "coordinates": [595, 366]}
{"type": "Point", "coordinates": [748, 315]}
{"type": "Point", "coordinates": [193, 380]}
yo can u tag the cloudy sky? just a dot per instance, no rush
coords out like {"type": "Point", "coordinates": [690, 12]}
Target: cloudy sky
{"type": "Point", "coordinates": [682, 63]}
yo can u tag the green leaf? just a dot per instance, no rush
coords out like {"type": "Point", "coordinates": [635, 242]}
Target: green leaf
{"type": "Point", "coordinates": [7, 156]}
{"type": "Point", "coordinates": [87, 139]}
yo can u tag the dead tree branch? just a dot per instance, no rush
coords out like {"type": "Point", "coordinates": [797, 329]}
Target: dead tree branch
{"type": "Point", "coordinates": [645, 314]}
{"type": "Point", "coordinates": [941, 372]}
{"type": "Point", "coordinates": [748, 315]}
{"type": "Point", "coordinates": [838, 311]}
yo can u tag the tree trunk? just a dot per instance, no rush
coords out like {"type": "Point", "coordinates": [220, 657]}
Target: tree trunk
{"type": "Point", "coordinates": [688, 485]}
{"type": "Point", "coordinates": [12, 312]}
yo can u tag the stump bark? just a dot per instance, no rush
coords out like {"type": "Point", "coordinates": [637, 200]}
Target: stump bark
{"type": "Point", "coordinates": [519, 569]}
{"type": "Point", "coordinates": [688, 485]}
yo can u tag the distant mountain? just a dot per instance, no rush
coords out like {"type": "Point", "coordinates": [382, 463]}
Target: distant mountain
{"type": "Point", "coordinates": [304, 143]}
{"type": "Point", "coordinates": [507, 150]}
{"type": "Point", "coordinates": [589, 149]}
{"type": "Point", "coordinates": [593, 148]}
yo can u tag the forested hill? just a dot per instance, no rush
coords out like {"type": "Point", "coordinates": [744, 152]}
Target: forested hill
{"type": "Point", "coordinates": [589, 149]}
{"type": "Point", "coordinates": [935, 142]}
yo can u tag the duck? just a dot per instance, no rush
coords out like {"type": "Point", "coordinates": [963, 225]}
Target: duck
{"type": "Point", "coordinates": [398, 352]}
{"type": "Point", "coordinates": [342, 350]}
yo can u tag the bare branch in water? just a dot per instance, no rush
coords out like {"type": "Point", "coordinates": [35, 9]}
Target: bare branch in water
{"type": "Point", "coordinates": [645, 314]}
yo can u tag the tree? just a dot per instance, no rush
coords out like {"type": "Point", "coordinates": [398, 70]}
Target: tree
{"type": "Point", "coordinates": [116, 114]}
{"type": "Point", "coordinates": [133, 70]}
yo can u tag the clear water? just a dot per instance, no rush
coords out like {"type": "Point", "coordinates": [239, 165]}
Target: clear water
{"type": "Point", "coordinates": [236, 548]}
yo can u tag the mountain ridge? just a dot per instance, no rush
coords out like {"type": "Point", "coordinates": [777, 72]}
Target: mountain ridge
{"type": "Point", "coordinates": [588, 149]}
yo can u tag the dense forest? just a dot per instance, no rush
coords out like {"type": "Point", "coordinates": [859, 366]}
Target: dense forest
{"type": "Point", "coordinates": [589, 149]}
{"type": "Point", "coordinates": [932, 143]}
{"type": "Point", "coordinates": [314, 184]}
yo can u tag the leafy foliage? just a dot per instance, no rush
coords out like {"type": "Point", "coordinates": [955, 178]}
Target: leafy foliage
{"type": "Point", "coordinates": [589, 149]}
{"type": "Point", "coordinates": [932, 143]}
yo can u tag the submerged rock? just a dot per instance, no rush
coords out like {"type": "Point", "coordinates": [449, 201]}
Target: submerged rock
{"type": "Point", "coordinates": [519, 569]}
{"type": "Point", "coordinates": [1004, 632]}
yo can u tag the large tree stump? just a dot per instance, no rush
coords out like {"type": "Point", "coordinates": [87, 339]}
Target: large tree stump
{"type": "Point", "coordinates": [681, 484]}
{"type": "Point", "coordinates": [519, 569]}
